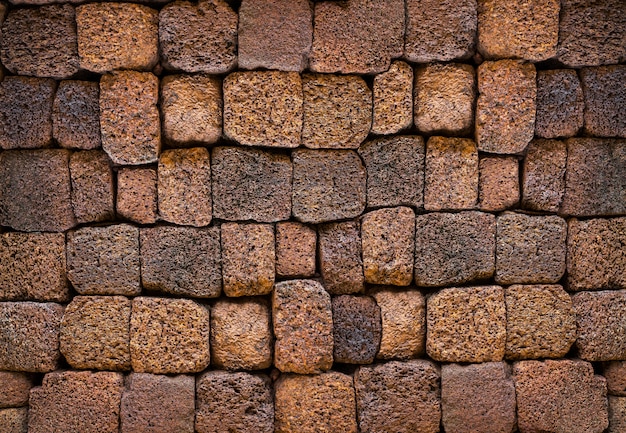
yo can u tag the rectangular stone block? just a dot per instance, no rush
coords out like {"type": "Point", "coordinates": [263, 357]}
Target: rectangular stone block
{"type": "Point", "coordinates": [617, 414]}
{"type": "Point", "coordinates": [340, 257]}
{"type": "Point", "coordinates": [296, 246]}
{"type": "Point", "coordinates": [498, 183]}
{"type": "Point", "coordinates": [356, 329]}
{"type": "Point", "coordinates": [137, 194]}
{"type": "Point", "coordinates": [560, 104]}
{"type": "Point", "coordinates": [92, 186]}
{"type": "Point", "coordinates": [605, 100]}
{"type": "Point", "coordinates": [76, 115]}
{"type": "Point", "coordinates": [16, 389]}
{"type": "Point", "coordinates": [615, 374]}
{"type": "Point", "coordinates": [14, 420]}
{"type": "Point", "coordinates": [393, 99]}
{"type": "Point", "coordinates": [543, 175]}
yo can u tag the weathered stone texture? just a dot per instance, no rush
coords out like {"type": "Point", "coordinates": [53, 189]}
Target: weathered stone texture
{"type": "Point", "coordinates": [615, 374]}
{"type": "Point", "coordinates": [498, 183]}
{"type": "Point", "coordinates": [137, 194]}
{"type": "Point", "coordinates": [16, 389]}
{"type": "Point", "coordinates": [560, 104]}
{"type": "Point", "coordinates": [92, 186]}
{"type": "Point", "coordinates": [296, 246]}
{"type": "Point", "coordinates": [76, 115]}
{"type": "Point", "coordinates": [393, 99]}
{"type": "Point", "coordinates": [340, 257]}
{"type": "Point", "coordinates": [356, 329]}
{"type": "Point", "coordinates": [14, 420]}
{"type": "Point", "coordinates": [543, 175]}
{"type": "Point", "coordinates": [617, 414]}
{"type": "Point", "coordinates": [605, 99]}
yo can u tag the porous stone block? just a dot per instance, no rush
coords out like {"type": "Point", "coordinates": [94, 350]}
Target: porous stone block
{"type": "Point", "coordinates": [92, 186]}
{"type": "Point", "coordinates": [451, 174]}
{"type": "Point", "coordinates": [198, 37]}
{"type": "Point", "coordinates": [137, 194]}
{"type": "Point", "coordinates": [29, 336]}
{"type": "Point", "coordinates": [601, 322]}
{"type": "Point", "coordinates": [358, 36]}
{"type": "Point", "coordinates": [169, 336]}
{"type": "Point", "coordinates": [427, 40]}
{"type": "Point", "coordinates": [248, 259]}
{"type": "Point", "coordinates": [337, 111]}
{"type": "Point", "coordinates": [454, 248]}
{"type": "Point", "coordinates": [498, 183]}
{"type": "Point", "coordinates": [104, 260]}
{"type": "Point", "coordinates": [76, 115]}
{"type": "Point", "coordinates": [303, 327]}
{"type": "Point", "coordinates": [340, 258]}
{"type": "Point", "coordinates": [251, 184]}
{"type": "Point", "coordinates": [560, 396]}
{"type": "Point", "coordinates": [191, 106]}
{"type": "Point", "coordinates": [393, 99]}
{"type": "Point", "coordinates": [530, 249]}
{"type": "Point", "coordinates": [76, 401]}
{"type": "Point", "coordinates": [14, 420]}
{"type": "Point", "coordinates": [605, 99]}
{"type": "Point", "coordinates": [158, 404]}
{"type": "Point", "coordinates": [466, 324]}
{"type": "Point", "coordinates": [327, 185]}
{"type": "Point", "coordinates": [184, 186]}
{"type": "Point", "coordinates": [388, 238]}
{"type": "Point", "coordinates": [617, 414]}
{"type": "Point", "coordinates": [309, 404]}
{"type": "Point", "coordinates": [444, 98]}
{"type": "Point", "coordinates": [506, 107]}
{"type": "Point", "coordinates": [296, 246]}
{"type": "Point", "coordinates": [35, 191]}
{"type": "Point", "coordinates": [356, 329]}
{"type": "Point", "coordinates": [40, 41]}
{"type": "Point", "coordinates": [32, 267]}
{"type": "Point", "coordinates": [615, 375]}
{"type": "Point", "coordinates": [560, 104]}
{"type": "Point", "coordinates": [94, 333]}
{"type": "Point", "coordinates": [117, 36]}
{"type": "Point", "coordinates": [16, 389]}
{"type": "Point", "coordinates": [228, 402]}
{"type": "Point", "coordinates": [26, 112]}
{"type": "Point", "coordinates": [275, 34]}
{"type": "Point", "coordinates": [543, 175]}
{"type": "Point", "coordinates": [263, 108]}
{"type": "Point", "coordinates": [399, 397]}
{"type": "Point", "coordinates": [540, 322]}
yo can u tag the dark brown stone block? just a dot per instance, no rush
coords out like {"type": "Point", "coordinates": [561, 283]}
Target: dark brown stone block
{"type": "Point", "coordinates": [341, 263]}
{"type": "Point", "coordinates": [560, 104]}
{"type": "Point", "coordinates": [605, 100]}
{"type": "Point", "coordinates": [76, 115]}
{"type": "Point", "coordinates": [543, 175]}
{"type": "Point", "coordinates": [393, 99]}
{"type": "Point", "coordinates": [14, 420]}
{"type": "Point", "coordinates": [137, 194]}
{"type": "Point", "coordinates": [617, 414]}
{"type": "Point", "coordinates": [296, 246]}
{"type": "Point", "coordinates": [16, 389]}
{"type": "Point", "coordinates": [92, 186]}
{"type": "Point", "coordinates": [615, 374]}
{"type": "Point", "coordinates": [356, 329]}
{"type": "Point", "coordinates": [498, 183]}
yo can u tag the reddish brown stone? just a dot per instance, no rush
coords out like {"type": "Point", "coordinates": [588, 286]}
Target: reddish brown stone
{"type": "Point", "coordinates": [498, 183]}
{"type": "Point", "coordinates": [543, 175]}
{"type": "Point", "coordinates": [341, 263]}
{"type": "Point", "coordinates": [76, 115]}
{"type": "Point", "coordinates": [303, 326]}
{"type": "Point", "coordinates": [356, 329]}
{"type": "Point", "coordinates": [16, 387]}
{"type": "Point", "coordinates": [14, 420]}
{"type": "Point", "coordinates": [615, 374]}
{"type": "Point", "coordinates": [137, 194]}
{"type": "Point", "coordinates": [92, 186]}
{"type": "Point", "coordinates": [617, 414]}
{"type": "Point", "coordinates": [393, 99]}
{"type": "Point", "coordinates": [296, 246]}
{"type": "Point", "coordinates": [560, 104]}
{"type": "Point", "coordinates": [605, 100]}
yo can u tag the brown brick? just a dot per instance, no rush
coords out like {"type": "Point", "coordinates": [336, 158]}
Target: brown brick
{"type": "Point", "coordinates": [303, 327]}
{"type": "Point", "coordinates": [228, 402]}
{"type": "Point", "coordinates": [309, 404]}
{"type": "Point", "coordinates": [617, 414]}
{"type": "Point", "coordinates": [191, 106]}
{"type": "Point", "coordinates": [543, 175]}
{"type": "Point", "coordinates": [26, 112]}
{"type": "Point", "coordinates": [184, 186]}
{"type": "Point", "coordinates": [198, 37]}
{"type": "Point", "coordinates": [14, 420]}
{"type": "Point", "coordinates": [275, 34]}
{"type": "Point", "coordinates": [296, 246]}
{"type": "Point", "coordinates": [327, 185]}
{"type": "Point", "coordinates": [454, 248]}
{"type": "Point", "coordinates": [35, 190]}
{"type": "Point", "coordinates": [398, 397]}
{"type": "Point", "coordinates": [560, 104]}
{"type": "Point", "coordinates": [561, 396]}
{"type": "Point", "coordinates": [76, 401]}
{"type": "Point", "coordinates": [341, 263]}
{"type": "Point", "coordinates": [16, 387]}
{"type": "Point", "coordinates": [615, 374]}
{"type": "Point", "coordinates": [183, 261]}
{"type": "Point", "coordinates": [169, 336]}
{"type": "Point", "coordinates": [356, 329]}
{"type": "Point", "coordinates": [444, 98]}
{"type": "Point", "coordinates": [428, 39]}
{"type": "Point", "coordinates": [94, 333]}
{"type": "Point", "coordinates": [540, 322]}
{"type": "Point", "coordinates": [137, 194]}
{"type": "Point", "coordinates": [498, 183]}
{"type": "Point", "coordinates": [40, 42]}
{"type": "Point", "coordinates": [158, 404]}
{"type": "Point", "coordinates": [505, 111]}
{"type": "Point", "coordinates": [117, 36]}
{"type": "Point", "coordinates": [241, 335]}
{"type": "Point", "coordinates": [76, 115]}
{"type": "Point", "coordinates": [451, 179]}
{"type": "Point", "coordinates": [530, 249]}
{"type": "Point", "coordinates": [605, 100]}
{"type": "Point", "coordinates": [104, 260]}
{"type": "Point", "coordinates": [466, 324]}
{"type": "Point", "coordinates": [393, 99]}
{"type": "Point", "coordinates": [29, 336]}
{"type": "Point", "coordinates": [92, 186]}
{"type": "Point", "coordinates": [248, 259]}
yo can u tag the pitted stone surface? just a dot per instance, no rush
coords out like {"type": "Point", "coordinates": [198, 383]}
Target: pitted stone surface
{"type": "Point", "coordinates": [560, 104]}
{"type": "Point", "coordinates": [16, 389]}
{"type": "Point", "coordinates": [617, 414]}
{"type": "Point", "coordinates": [543, 175]}
{"type": "Point", "coordinates": [605, 100]}
{"type": "Point", "coordinates": [340, 257]}
{"type": "Point", "coordinates": [356, 329]}
{"type": "Point", "coordinates": [296, 247]}
{"type": "Point", "coordinates": [615, 374]}
{"type": "Point", "coordinates": [137, 194]}
{"type": "Point", "coordinates": [76, 115]}
{"type": "Point", "coordinates": [393, 99]}
{"type": "Point", "coordinates": [14, 420]}
{"type": "Point", "coordinates": [92, 186]}
{"type": "Point", "coordinates": [498, 183]}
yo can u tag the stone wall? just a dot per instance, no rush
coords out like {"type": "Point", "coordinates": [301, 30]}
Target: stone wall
{"type": "Point", "coordinates": [339, 216]}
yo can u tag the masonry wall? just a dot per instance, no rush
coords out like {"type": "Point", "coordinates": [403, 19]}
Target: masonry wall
{"type": "Point", "coordinates": [339, 216]}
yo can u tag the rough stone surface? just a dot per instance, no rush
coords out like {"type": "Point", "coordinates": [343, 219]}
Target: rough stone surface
{"type": "Point", "coordinates": [40, 42]}
{"type": "Point", "coordinates": [76, 115]}
{"type": "Point", "coordinates": [303, 327]}
{"type": "Point", "coordinates": [466, 324]}
{"type": "Point", "coordinates": [340, 258]}
{"type": "Point", "coordinates": [615, 374]}
{"type": "Point", "coordinates": [76, 401]}
{"type": "Point", "coordinates": [250, 184]}
{"type": "Point", "coordinates": [228, 402]}
{"type": "Point", "coordinates": [327, 396]}
{"type": "Point", "coordinates": [540, 322]}
{"type": "Point", "coordinates": [398, 397]}
{"type": "Point", "coordinates": [477, 398]}
{"type": "Point", "coordinates": [451, 174]}
{"type": "Point", "coordinates": [617, 414]}
{"type": "Point", "coordinates": [498, 183]}
{"type": "Point", "coordinates": [248, 259]}
{"type": "Point", "coordinates": [14, 420]}
{"type": "Point", "coordinates": [296, 246]}
{"type": "Point", "coordinates": [505, 111]}
{"type": "Point", "coordinates": [444, 99]}
{"type": "Point", "coordinates": [327, 185]}
{"type": "Point", "coordinates": [543, 175]}
{"type": "Point", "coordinates": [560, 396]}
{"type": "Point", "coordinates": [104, 260]}
{"type": "Point", "coordinates": [94, 333]}
{"type": "Point", "coordinates": [530, 249]}
{"type": "Point", "coordinates": [454, 248]}
{"type": "Point", "coordinates": [356, 329]}
{"type": "Point", "coordinates": [137, 194]}
{"type": "Point", "coordinates": [92, 186]}
{"type": "Point", "coordinates": [184, 186]}
{"type": "Point", "coordinates": [169, 336]}
{"type": "Point", "coordinates": [129, 118]}
{"type": "Point", "coordinates": [605, 100]}
{"type": "Point", "coordinates": [393, 99]}
{"type": "Point", "coordinates": [337, 111]}
{"type": "Point", "coordinates": [16, 389]}
{"type": "Point", "coordinates": [198, 37]}
{"type": "Point", "coordinates": [560, 104]}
